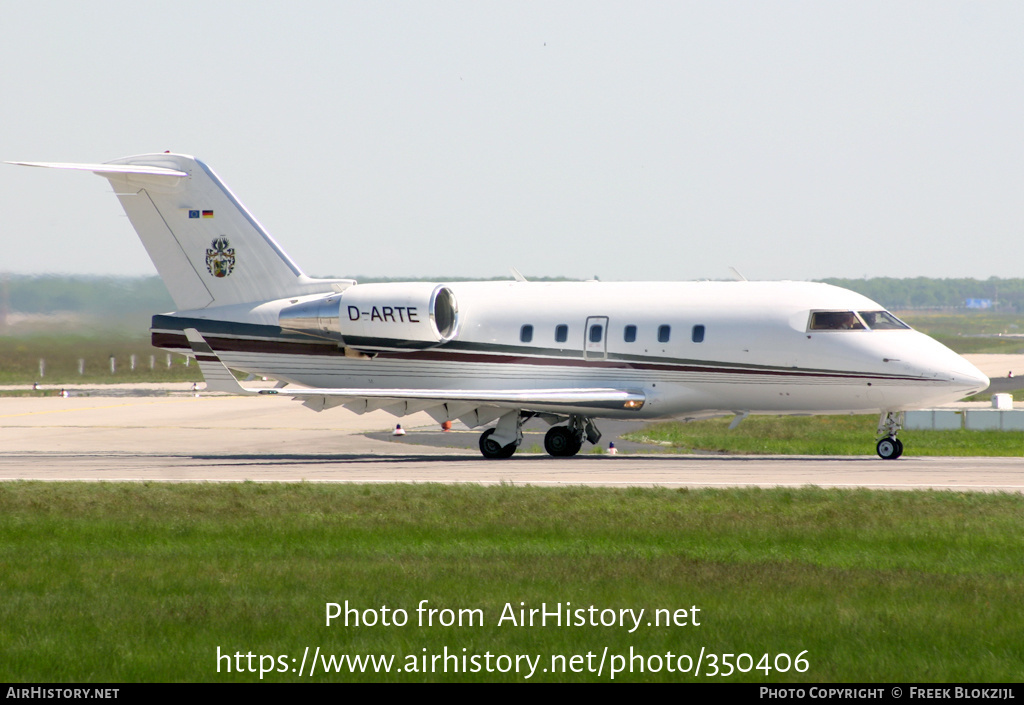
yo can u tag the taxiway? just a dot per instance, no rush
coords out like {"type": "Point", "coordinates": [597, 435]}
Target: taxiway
{"type": "Point", "coordinates": [184, 438]}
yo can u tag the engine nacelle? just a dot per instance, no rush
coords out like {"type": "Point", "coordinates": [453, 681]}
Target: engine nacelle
{"type": "Point", "coordinates": [375, 317]}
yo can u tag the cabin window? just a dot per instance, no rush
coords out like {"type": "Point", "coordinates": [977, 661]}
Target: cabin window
{"type": "Point", "coordinates": [629, 334]}
{"type": "Point", "coordinates": [664, 333]}
{"type": "Point", "coordinates": [596, 333]}
{"type": "Point", "coordinates": [835, 320]}
{"type": "Point", "coordinates": [882, 320]}
{"type": "Point", "coordinates": [697, 335]}
{"type": "Point", "coordinates": [561, 333]}
{"type": "Point", "coordinates": [526, 333]}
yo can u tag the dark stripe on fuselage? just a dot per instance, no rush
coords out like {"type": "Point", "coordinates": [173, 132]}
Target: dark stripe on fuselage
{"type": "Point", "coordinates": [162, 339]}
{"type": "Point", "coordinates": [226, 336]}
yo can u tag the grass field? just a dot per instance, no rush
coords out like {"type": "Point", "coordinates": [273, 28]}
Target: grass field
{"type": "Point", "coordinates": [61, 354]}
{"type": "Point", "coordinates": [144, 582]}
{"type": "Point", "coordinates": [822, 435]}
{"type": "Point", "coordinates": [969, 333]}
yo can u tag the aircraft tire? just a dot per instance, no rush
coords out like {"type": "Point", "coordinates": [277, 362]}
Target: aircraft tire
{"type": "Point", "coordinates": [889, 448]}
{"type": "Point", "coordinates": [491, 450]}
{"type": "Point", "coordinates": [560, 442]}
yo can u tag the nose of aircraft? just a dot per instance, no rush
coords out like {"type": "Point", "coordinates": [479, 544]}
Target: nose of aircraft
{"type": "Point", "coordinates": [969, 376]}
{"type": "Point", "coordinates": [958, 376]}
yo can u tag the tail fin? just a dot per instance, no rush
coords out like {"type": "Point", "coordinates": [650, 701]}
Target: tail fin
{"type": "Point", "coordinates": [208, 249]}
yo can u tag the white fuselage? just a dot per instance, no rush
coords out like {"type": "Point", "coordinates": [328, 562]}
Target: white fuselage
{"type": "Point", "coordinates": [691, 347]}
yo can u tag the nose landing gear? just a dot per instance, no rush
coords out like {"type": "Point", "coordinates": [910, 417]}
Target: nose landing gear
{"type": "Point", "coordinates": [889, 447]}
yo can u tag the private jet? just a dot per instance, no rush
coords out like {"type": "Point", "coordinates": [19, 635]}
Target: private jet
{"type": "Point", "coordinates": [496, 354]}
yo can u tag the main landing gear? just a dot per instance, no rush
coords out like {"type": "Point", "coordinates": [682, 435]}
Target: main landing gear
{"type": "Point", "coordinates": [492, 449]}
{"type": "Point", "coordinates": [566, 441]}
{"type": "Point", "coordinates": [889, 447]}
{"type": "Point", "coordinates": [560, 441]}
{"type": "Point", "coordinates": [502, 440]}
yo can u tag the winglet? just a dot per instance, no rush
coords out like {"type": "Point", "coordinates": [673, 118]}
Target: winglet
{"type": "Point", "coordinates": [218, 377]}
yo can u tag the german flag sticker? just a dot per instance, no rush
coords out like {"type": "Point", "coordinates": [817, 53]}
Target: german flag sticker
{"type": "Point", "coordinates": [207, 214]}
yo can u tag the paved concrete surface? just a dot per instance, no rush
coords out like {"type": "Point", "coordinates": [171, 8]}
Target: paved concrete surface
{"type": "Point", "coordinates": [999, 365]}
{"type": "Point", "coordinates": [220, 438]}
{"type": "Point", "coordinates": [1006, 372]}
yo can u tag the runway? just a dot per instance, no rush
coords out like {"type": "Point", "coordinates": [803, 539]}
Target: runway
{"type": "Point", "coordinates": [233, 439]}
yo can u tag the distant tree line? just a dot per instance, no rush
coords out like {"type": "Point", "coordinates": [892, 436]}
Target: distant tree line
{"type": "Point", "coordinates": [923, 292]}
{"type": "Point", "coordinates": [88, 295]}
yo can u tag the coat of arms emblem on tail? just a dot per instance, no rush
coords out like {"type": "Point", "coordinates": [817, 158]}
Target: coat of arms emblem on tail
{"type": "Point", "coordinates": [220, 257]}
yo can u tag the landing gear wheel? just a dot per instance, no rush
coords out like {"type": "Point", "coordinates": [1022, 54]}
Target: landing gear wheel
{"type": "Point", "coordinates": [560, 442]}
{"type": "Point", "coordinates": [889, 448]}
{"type": "Point", "coordinates": [491, 450]}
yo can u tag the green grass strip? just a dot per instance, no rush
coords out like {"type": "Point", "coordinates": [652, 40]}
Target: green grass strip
{"type": "Point", "coordinates": [823, 435]}
{"type": "Point", "coordinates": [144, 582]}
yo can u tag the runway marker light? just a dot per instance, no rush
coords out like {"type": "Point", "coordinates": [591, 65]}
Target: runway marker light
{"type": "Point", "coordinates": [399, 431]}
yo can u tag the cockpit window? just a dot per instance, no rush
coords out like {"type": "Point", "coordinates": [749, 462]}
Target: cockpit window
{"type": "Point", "coordinates": [855, 320]}
{"type": "Point", "coordinates": [882, 320]}
{"type": "Point", "coordinates": [835, 320]}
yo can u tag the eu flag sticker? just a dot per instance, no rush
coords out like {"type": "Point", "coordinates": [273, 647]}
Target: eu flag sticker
{"type": "Point", "coordinates": [193, 214]}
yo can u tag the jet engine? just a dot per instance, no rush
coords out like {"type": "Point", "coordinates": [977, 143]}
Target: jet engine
{"type": "Point", "coordinates": [376, 317]}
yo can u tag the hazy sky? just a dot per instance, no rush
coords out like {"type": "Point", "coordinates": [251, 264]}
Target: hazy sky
{"type": "Point", "coordinates": [632, 140]}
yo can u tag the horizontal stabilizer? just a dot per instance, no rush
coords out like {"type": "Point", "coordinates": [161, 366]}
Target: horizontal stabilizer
{"type": "Point", "coordinates": [107, 168]}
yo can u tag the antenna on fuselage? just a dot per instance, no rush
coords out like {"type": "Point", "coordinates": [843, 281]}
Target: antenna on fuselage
{"type": "Point", "coordinates": [736, 273]}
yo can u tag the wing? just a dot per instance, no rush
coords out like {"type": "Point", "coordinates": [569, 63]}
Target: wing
{"type": "Point", "coordinates": [474, 407]}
